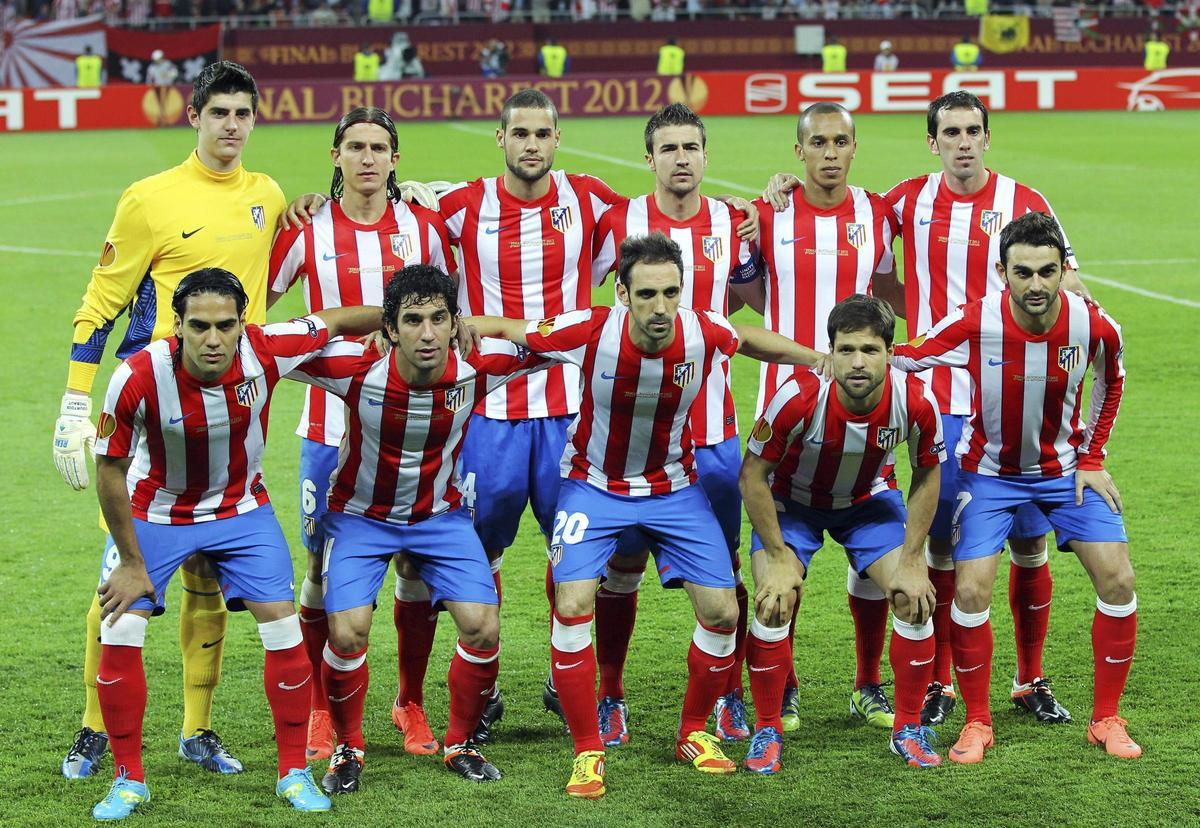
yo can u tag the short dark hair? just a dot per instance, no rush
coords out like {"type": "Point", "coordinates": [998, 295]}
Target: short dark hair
{"type": "Point", "coordinates": [1035, 230]}
{"type": "Point", "coordinates": [676, 114]}
{"type": "Point", "coordinates": [655, 248]}
{"type": "Point", "coordinates": [821, 108]}
{"type": "Point", "coordinates": [365, 115]}
{"type": "Point", "coordinates": [861, 312]}
{"type": "Point", "coordinates": [527, 99]}
{"type": "Point", "coordinates": [215, 280]}
{"type": "Point", "coordinates": [953, 100]}
{"type": "Point", "coordinates": [223, 78]}
{"type": "Point", "coordinates": [416, 285]}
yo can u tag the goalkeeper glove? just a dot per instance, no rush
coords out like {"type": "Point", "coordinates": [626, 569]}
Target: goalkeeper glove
{"type": "Point", "coordinates": [73, 436]}
{"type": "Point", "coordinates": [424, 194]}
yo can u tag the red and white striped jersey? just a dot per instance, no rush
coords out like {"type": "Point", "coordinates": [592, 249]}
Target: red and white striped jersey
{"type": "Point", "coordinates": [397, 461]}
{"type": "Point", "coordinates": [830, 458]}
{"type": "Point", "coordinates": [632, 435]}
{"type": "Point", "coordinates": [713, 256]}
{"type": "Point", "coordinates": [197, 447]}
{"type": "Point", "coordinates": [1027, 388]}
{"type": "Point", "coordinates": [343, 263]}
{"type": "Point", "coordinates": [951, 246]}
{"type": "Point", "coordinates": [527, 260]}
{"type": "Point", "coordinates": [814, 259]}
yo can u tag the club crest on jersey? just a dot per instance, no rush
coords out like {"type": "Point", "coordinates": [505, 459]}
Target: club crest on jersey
{"type": "Point", "coordinates": [456, 398]}
{"type": "Point", "coordinates": [713, 247]}
{"type": "Point", "coordinates": [685, 372]}
{"type": "Point", "coordinates": [259, 216]}
{"type": "Point", "coordinates": [856, 235]}
{"type": "Point", "coordinates": [887, 438]}
{"type": "Point", "coordinates": [246, 392]}
{"type": "Point", "coordinates": [402, 246]}
{"type": "Point", "coordinates": [1068, 357]}
{"type": "Point", "coordinates": [991, 222]}
{"type": "Point", "coordinates": [560, 218]}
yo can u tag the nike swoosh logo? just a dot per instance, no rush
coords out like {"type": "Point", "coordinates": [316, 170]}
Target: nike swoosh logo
{"type": "Point", "coordinates": [491, 231]}
{"type": "Point", "coordinates": [208, 644]}
{"type": "Point", "coordinates": [347, 697]}
{"type": "Point", "coordinates": [915, 663]}
{"type": "Point", "coordinates": [996, 363]}
{"type": "Point", "coordinates": [560, 666]}
{"type": "Point", "coordinates": [1109, 659]}
{"type": "Point", "coordinates": [720, 669]}
{"type": "Point", "coordinates": [194, 232]}
{"type": "Point", "coordinates": [106, 683]}
{"type": "Point", "coordinates": [817, 441]}
{"type": "Point", "coordinates": [968, 669]}
{"type": "Point", "coordinates": [927, 221]}
{"type": "Point", "coordinates": [1036, 607]}
{"type": "Point", "coordinates": [607, 376]}
{"type": "Point", "coordinates": [374, 402]}
{"type": "Point", "coordinates": [283, 686]}
{"type": "Point", "coordinates": [792, 240]}
{"type": "Point", "coordinates": [958, 752]}
{"type": "Point", "coordinates": [328, 258]}
{"type": "Point", "coordinates": [180, 419]}
{"type": "Point", "coordinates": [763, 669]}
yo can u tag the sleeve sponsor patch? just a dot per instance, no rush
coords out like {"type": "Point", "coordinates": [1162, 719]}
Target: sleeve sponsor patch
{"type": "Point", "coordinates": [762, 431]}
{"type": "Point", "coordinates": [108, 254]}
{"type": "Point", "coordinates": [937, 448]}
{"type": "Point", "coordinates": [546, 326]}
{"type": "Point", "coordinates": [106, 426]}
{"type": "Point", "coordinates": [312, 326]}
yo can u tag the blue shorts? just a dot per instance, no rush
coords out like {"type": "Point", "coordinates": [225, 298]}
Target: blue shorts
{"type": "Point", "coordinates": [680, 526]}
{"type": "Point", "coordinates": [504, 465]}
{"type": "Point", "coordinates": [867, 530]}
{"type": "Point", "coordinates": [445, 551]}
{"type": "Point", "coordinates": [317, 464]}
{"type": "Point", "coordinates": [989, 504]}
{"type": "Point", "coordinates": [717, 470]}
{"type": "Point", "coordinates": [250, 554]}
{"type": "Point", "coordinates": [1029, 522]}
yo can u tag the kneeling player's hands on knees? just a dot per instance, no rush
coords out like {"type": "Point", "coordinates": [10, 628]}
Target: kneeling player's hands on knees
{"type": "Point", "coordinates": [126, 584]}
{"type": "Point", "coordinates": [778, 590]}
{"type": "Point", "coordinates": [1100, 482]}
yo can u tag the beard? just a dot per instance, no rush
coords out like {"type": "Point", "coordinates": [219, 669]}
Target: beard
{"type": "Point", "coordinates": [526, 174]}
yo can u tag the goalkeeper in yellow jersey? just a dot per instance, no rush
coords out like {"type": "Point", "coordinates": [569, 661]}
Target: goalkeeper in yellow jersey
{"type": "Point", "coordinates": [207, 212]}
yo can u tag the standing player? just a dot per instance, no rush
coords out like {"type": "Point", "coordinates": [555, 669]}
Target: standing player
{"type": "Point", "coordinates": [524, 238]}
{"type": "Point", "coordinates": [630, 464]}
{"type": "Point", "coordinates": [820, 460]}
{"type": "Point", "coordinates": [354, 244]}
{"type": "Point", "coordinates": [179, 449]}
{"type": "Point", "coordinates": [1026, 350]}
{"type": "Point", "coordinates": [825, 241]}
{"type": "Point", "coordinates": [950, 223]}
{"type": "Point", "coordinates": [208, 211]}
{"type": "Point", "coordinates": [395, 490]}
{"type": "Point", "coordinates": [714, 258]}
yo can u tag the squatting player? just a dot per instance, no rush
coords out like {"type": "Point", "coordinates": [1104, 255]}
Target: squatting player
{"type": "Point", "coordinates": [179, 447]}
{"type": "Point", "coordinates": [395, 490]}
{"type": "Point", "coordinates": [208, 211]}
{"type": "Point", "coordinates": [344, 255]}
{"type": "Point", "coordinates": [630, 463]}
{"type": "Point", "coordinates": [820, 460]}
{"type": "Point", "coordinates": [1026, 350]}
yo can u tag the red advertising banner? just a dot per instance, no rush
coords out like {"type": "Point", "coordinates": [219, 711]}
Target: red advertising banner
{"type": "Point", "coordinates": [129, 51]}
{"type": "Point", "coordinates": [709, 93]}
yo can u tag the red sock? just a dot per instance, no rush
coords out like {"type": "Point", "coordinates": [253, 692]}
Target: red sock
{"type": "Point", "coordinates": [286, 674]}
{"type": "Point", "coordinates": [1029, 592]}
{"type": "Point", "coordinates": [734, 683]}
{"type": "Point", "coordinates": [416, 624]}
{"type": "Point", "coordinates": [769, 662]}
{"type": "Point", "coordinates": [574, 673]}
{"type": "Point", "coordinates": [973, 667]}
{"type": "Point", "coordinates": [1112, 653]}
{"type": "Point", "coordinates": [943, 583]}
{"type": "Point", "coordinates": [706, 677]}
{"type": "Point", "coordinates": [912, 665]}
{"type": "Point", "coordinates": [346, 681]}
{"type": "Point", "coordinates": [121, 685]}
{"type": "Point", "coordinates": [472, 675]}
{"type": "Point", "coordinates": [790, 681]}
{"type": "Point", "coordinates": [314, 625]}
{"type": "Point", "coordinates": [870, 631]}
{"type": "Point", "coordinates": [616, 613]}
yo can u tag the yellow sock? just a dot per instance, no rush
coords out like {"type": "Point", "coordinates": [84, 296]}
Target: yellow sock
{"type": "Point", "coordinates": [91, 666]}
{"type": "Point", "coordinates": [202, 617]}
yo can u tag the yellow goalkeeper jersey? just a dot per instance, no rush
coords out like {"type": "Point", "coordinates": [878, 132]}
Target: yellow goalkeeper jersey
{"type": "Point", "coordinates": [166, 226]}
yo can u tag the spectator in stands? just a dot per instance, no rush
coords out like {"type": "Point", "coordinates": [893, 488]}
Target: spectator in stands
{"type": "Point", "coordinates": [89, 69]}
{"type": "Point", "coordinates": [493, 61]}
{"type": "Point", "coordinates": [670, 58]}
{"type": "Point", "coordinates": [1156, 52]}
{"type": "Point", "coordinates": [410, 64]}
{"type": "Point", "coordinates": [886, 60]}
{"type": "Point", "coordinates": [366, 64]}
{"type": "Point", "coordinates": [324, 14]}
{"type": "Point", "coordinates": [161, 72]}
{"type": "Point", "coordinates": [965, 56]}
{"type": "Point", "coordinates": [553, 61]}
{"type": "Point", "coordinates": [833, 55]}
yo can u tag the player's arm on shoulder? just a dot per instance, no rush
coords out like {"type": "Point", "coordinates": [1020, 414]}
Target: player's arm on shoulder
{"type": "Point", "coordinates": [778, 192]}
{"type": "Point", "coordinates": [768, 346]}
{"type": "Point", "coordinates": [744, 217]}
{"type": "Point", "coordinates": [947, 343]}
{"type": "Point", "coordinates": [497, 327]}
{"type": "Point", "coordinates": [129, 580]}
{"type": "Point", "coordinates": [358, 320]}
{"type": "Point", "coordinates": [301, 210]}
{"type": "Point", "coordinates": [1072, 282]}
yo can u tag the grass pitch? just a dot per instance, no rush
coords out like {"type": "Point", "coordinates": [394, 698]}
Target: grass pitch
{"type": "Point", "coordinates": [1124, 186]}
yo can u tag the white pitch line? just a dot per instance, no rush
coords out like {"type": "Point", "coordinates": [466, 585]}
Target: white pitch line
{"type": "Point", "coordinates": [1162, 297]}
{"type": "Point", "coordinates": [1143, 262]}
{"type": "Point", "coordinates": [42, 251]}
{"type": "Point", "coordinates": [42, 199]}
